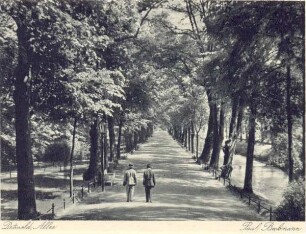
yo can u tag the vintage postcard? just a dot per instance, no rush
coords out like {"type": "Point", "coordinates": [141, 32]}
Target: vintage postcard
{"type": "Point", "coordinates": [152, 116]}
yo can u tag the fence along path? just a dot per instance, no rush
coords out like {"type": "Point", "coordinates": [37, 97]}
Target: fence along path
{"type": "Point", "coordinates": [183, 191]}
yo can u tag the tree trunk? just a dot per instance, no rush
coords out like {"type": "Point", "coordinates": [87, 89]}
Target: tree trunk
{"type": "Point", "coordinates": [185, 137]}
{"type": "Point", "coordinates": [143, 134]}
{"type": "Point", "coordinates": [25, 171]}
{"type": "Point", "coordinates": [92, 169]}
{"type": "Point", "coordinates": [102, 161]}
{"type": "Point", "coordinates": [182, 137]}
{"type": "Point", "coordinates": [71, 156]}
{"type": "Point", "coordinates": [206, 153]}
{"type": "Point", "coordinates": [250, 151]}
{"type": "Point", "coordinates": [234, 116]}
{"type": "Point", "coordinates": [262, 133]}
{"type": "Point", "coordinates": [236, 131]}
{"type": "Point", "coordinates": [226, 129]}
{"type": "Point", "coordinates": [289, 124]}
{"type": "Point", "coordinates": [126, 140]}
{"type": "Point", "coordinates": [302, 155]}
{"type": "Point", "coordinates": [119, 139]}
{"type": "Point", "coordinates": [111, 138]}
{"type": "Point", "coordinates": [129, 141]}
{"type": "Point", "coordinates": [221, 131]}
{"type": "Point", "coordinates": [192, 137]}
{"type": "Point", "coordinates": [197, 147]}
{"type": "Point", "coordinates": [105, 151]}
{"type": "Point", "coordinates": [218, 137]}
{"type": "Point", "coordinates": [135, 140]}
{"type": "Point", "coordinates": [240, 117]}
{"type": "Point", "coordinates": [189, 139]}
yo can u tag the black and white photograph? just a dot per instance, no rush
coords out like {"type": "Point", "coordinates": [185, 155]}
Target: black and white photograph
{"type": "Point", "coordinates": [152, 110]}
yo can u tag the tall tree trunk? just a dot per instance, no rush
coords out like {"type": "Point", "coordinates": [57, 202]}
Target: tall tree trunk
{"type": "Point", "coordinates": [189, 138]}
{"type": "Point", "coordinates": [240, 117]}
{"type": "Point", "coordinates": [102, 161]}
{"type": "Point", "coordinates": [105, 151]}
{"type": "Point", "coordinates": [250, 151]}
{"type": "Point", "coordinates": [214, 162]}
{"type": "Point", "coordinates": [92, 169]}
{"type": "Point", "coordinates": [135, 140]}
{"type": "Point", "coordinates": [111, 138]}
{"type": "Point", "coordinates": [179, 134]}
{"type": "Point", "coordinates": [192, 137]}
{"type": "Point", "coordinates": [197, 147]}
{"type": "Point", "coordinates": [236, 131]}
{"type": "Point", "coordinates": [126, 140]}
{"type": "Point", "coordinates": [221, 130]}
{"type": "Point", "coordinates": [232, 128]}
{"type": "Point", "coordinates": [206, 153]}
{"type": "Point", "coordinates": [226, 129]}
{"type": "Point", "coordinates": [185, 137]}
{"type": "Point", "coordinates": [289, 124]}
{"type": "Point", "coordinates": [182, 137]}
{"type": "Point", "coordinates": [174, 132]}
{"type": "Point", "coordinates": [302, 155]}
{"type": "Point", "coordinates": [144, 134]}
{"type": "Point", "coordinates": [152, 129]}
{"type": "Point", "coordinates": [25, 171]}
{"type": "Point", "coordinates": [119, 139]}
{"type": "Point", "coordinates": [303, 116]}
{"type": "Point", "coordinates": [71, 156]}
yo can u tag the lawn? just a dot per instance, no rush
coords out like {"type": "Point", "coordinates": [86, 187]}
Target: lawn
{"type": "Point", "coordinates": [51, 186]}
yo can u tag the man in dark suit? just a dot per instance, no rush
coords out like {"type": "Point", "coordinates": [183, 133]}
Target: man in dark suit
{"type": "Point", "coordinates": [130, 181]}
{"type": "Point", "coordinates": [148, 182]}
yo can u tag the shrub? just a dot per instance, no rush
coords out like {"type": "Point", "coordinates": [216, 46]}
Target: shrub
{"type": "Point", "coordinates": [7, 154]}
{"type": "Point", "coordinates": [292, 208]}
{"type": "Point", "coordinates": [59, 151]}
{"type": "Point", "coordinates": [279, 155]}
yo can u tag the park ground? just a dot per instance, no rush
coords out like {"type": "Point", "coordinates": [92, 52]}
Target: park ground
{"type": "Point", "coordinates": [184, 191]}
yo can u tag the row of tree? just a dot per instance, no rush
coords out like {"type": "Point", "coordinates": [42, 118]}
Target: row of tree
{"type": "Point", "coordinates": [70, 64]}
{"type": "Point", "coordinates": [95, 66]}
{"type": "Point", "coordinates": [235, 64]}
{"type": "Point", "coordinates": [247, 61]}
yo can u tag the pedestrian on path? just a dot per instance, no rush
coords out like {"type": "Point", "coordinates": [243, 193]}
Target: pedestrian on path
{"type": "Point", "coordinates": [130, 180]}
{"type": "Point", "coordinates": [148, 182]}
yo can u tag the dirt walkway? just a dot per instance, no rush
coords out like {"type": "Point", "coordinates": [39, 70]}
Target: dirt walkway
{"type": "Point", "coordinates": [183, 192]}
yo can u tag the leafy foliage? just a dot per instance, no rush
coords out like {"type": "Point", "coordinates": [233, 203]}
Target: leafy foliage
{"type": "Point", "coordinates": [59, 152]}
{"type": "Point", "coordinates": [292, 208]}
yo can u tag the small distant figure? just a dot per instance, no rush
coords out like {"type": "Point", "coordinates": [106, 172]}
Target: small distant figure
{"type": "Point", "coordinates": [226, 151]}
{"type": "Point", "coordinates": [226, 168]}
{"type": "Point", "coordinates": [130, 180]}
{"type": "Point", "coordinates": [148, 182]}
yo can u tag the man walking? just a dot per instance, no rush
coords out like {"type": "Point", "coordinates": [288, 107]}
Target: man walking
{"type": "Point", "coordinates": [148, 182]}
{"type": "Point", "coordinates": [130, 180]}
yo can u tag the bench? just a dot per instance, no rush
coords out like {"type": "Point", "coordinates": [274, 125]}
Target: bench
{"type": "Point", "coordinates": [226, 171]}
{"type": "Point", "coordinates": [123, 154]}
{"type": "Point", "coordinates": [109, 178]}
{"type": "Point", "coordinates": [205, 166]}
{"type": "Point", "coordinates": [89, 183]}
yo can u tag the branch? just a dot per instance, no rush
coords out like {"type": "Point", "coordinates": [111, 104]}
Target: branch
{"type": "Point", "coordinates": [188, 70]}
{"type": "Point", "coordinates": [177, 31]}
{"type": "Point", "coordinates": [143, 19]}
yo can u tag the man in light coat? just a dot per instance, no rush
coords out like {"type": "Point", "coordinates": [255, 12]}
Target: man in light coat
{"type": "Point", "coordinates": [148, 182]}
{"type": "Point", "coordinates": [130, 180]}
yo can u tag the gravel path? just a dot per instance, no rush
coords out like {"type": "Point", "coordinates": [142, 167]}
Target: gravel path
{"type": "Point", "coordinates": [183, 192]}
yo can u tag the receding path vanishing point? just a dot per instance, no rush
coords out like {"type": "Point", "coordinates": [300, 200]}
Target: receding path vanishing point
{"type": "Point", "coordinates": [183, 192]}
